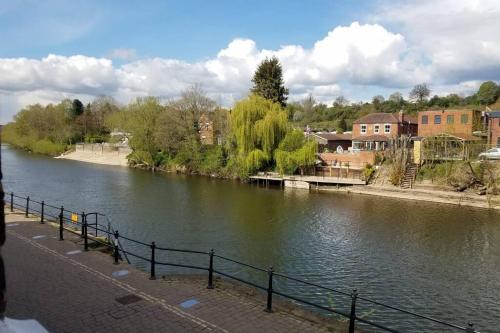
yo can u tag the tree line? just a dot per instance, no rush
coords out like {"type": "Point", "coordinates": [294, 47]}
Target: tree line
{"type": "Point", "coordinates": [341, 114]}
{"type": "Point", "coordinates": [255, 135]}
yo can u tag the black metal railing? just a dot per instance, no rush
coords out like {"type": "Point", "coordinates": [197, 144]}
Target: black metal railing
{"type": "Point", "coordinates": [107, 236]}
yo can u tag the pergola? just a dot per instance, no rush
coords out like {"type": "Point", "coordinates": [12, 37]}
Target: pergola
{"type": "Point", "coordinates": [445, 147]}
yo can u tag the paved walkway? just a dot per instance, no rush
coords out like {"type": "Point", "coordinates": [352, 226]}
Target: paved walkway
{"type": "Point", "coordinates": [71, 291]}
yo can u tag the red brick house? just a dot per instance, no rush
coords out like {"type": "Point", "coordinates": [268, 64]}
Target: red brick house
{"type": "Point", "coordinates": [375, 131]}
{"type": "Point", "coordinates": [493, 123]}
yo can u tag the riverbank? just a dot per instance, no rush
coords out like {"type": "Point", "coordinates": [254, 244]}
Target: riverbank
{"type": "Point", "coordinates": [106, 158]}
{"type": "Point", "coordinates": [468, 199]}
{"type": "Point", "coordinates": [429, 195]}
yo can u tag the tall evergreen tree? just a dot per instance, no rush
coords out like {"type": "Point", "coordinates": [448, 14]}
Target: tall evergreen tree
{"type": "Point", "coordinates": [268, 81]}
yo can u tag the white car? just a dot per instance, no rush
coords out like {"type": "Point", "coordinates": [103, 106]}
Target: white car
{"type": "Point", "coordinates": [491, 154]}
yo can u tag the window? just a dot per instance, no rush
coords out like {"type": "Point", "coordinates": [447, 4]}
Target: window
{"type": "Point", "coordinates": [437, 119]}
{"type": "Point", "coordinates": [363, 129]}
{"type": "Point", "coordinates": [376, 129]}
{"type": "Point", "coordinates": [387, 128]}
{"type": "Point", "coordinates": [450, 119]}
{"type": "Point", "coordinates": [425, 119]}
{"type": "Point", "coordinates": [464, 119]}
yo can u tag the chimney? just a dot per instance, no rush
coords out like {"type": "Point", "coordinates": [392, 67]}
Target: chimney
{"type": "Point", "coordinates": [401, 116]}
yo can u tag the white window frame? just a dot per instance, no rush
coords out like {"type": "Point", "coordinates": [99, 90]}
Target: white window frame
{"type": "Point", "coordinates": [385, 130]}
{"type": "Point", "coordinates": [365, 129]}
{"type": "Point", "coordinates": [376, 128]}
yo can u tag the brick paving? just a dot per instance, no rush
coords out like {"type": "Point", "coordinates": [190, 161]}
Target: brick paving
{"type": "Point", "coordinates": [78, 293]}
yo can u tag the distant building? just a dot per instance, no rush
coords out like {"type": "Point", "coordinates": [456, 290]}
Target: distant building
{"type": "Point", "coordinates": [376, 131]}
{"type": "Point", "coordinates": [330, 142]}
{"type": "Point", "coordinates": [206, 130]}
{"type": "Point", "coordinates": [493, 128]}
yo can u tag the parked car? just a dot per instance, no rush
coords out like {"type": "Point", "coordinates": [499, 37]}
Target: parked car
{"type": "Point", "coordinates": [490, 154]}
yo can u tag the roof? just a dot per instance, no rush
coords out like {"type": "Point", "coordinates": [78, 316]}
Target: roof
{"type": "Point", "coordinates": [334, 137]}
{"type": "Point", "coordinates": [494, 114]}
{"type": "Point", "coordinates": [461, 136]}
{"type": "Point", "coordinates": [368, 138]}
{"type": "Point", "coordinates": [387, 118]}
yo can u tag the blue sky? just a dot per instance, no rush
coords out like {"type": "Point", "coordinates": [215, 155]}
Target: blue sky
{"type": "Point", "coordinates": [57, 49]}
{"type": "Point", "coordinates": [188, 30]}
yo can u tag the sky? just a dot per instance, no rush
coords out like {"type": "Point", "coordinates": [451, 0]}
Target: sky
{"type": "Point", "coordinates": [51, 50]}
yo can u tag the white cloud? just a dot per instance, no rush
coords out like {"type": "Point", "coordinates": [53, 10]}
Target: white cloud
{"type": "Point", "coordinates": [452, 45]}
{"type": "Point", "coordinates": [123, 54]}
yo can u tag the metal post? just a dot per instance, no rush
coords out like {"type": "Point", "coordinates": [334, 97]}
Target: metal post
{"type": "Point", "coordinates": [83, 218]}
{"type": "Point", "coordinates": [61, 217]}
{"type": "Point", "coordinates": [153, 263]}
{"type": "Point", "coordinates": [352, 317]}
{"type": "Point", "coordinates": [85, 236]}
{"type": "Point", "coordinates": [115, 252]}
{"type": "Point", "coordinates": [11, 201]}
{"type": "Point", "coordinates": [42, 211]}
{"type": "Point", "coordinates": [211, 270]}
{"type": "Point", "coordinates": [470, 328]}
{"type": "Point", "coordinates": [27, 206]}
{"type": "Point", "coordinates": [269, 307]}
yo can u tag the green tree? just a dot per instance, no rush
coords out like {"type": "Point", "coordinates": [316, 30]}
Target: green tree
{"type": "Point", "coordinates": [488, 93]}
{"type": "Point", "coordinates": [257, 126]}
{"type": "Point", "coordinates": [76, 108]}
{"type": "Point", "coordinates": [268, 81]}
{"type": "Point", "coordinates": [295, 152]}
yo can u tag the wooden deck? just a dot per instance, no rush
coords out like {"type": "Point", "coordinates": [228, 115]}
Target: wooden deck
{"type": "Point", "coordinates": [310, 179]}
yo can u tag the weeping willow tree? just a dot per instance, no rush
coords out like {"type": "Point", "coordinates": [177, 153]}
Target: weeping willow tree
{"type": "Point", "coordinates": [295, 152]}
{"type": "Point", "coordinates": [257, 126]}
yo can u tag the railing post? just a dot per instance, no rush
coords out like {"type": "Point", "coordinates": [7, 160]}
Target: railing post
{"type": "Point", "coordinates": [153, 262]}
{"type": "Point", "coordinates": [269, 307]}
{"type": "Point", "coordinates": [27, 206]}
{"type": "Point", "coordinates": [42, 211]}
{"type": "Point", "coordinates": [96, 223]}
{"type": "Point", "coordinates": [352, 317]}
{"type": "Point", "coordinates": [11, 202]}
{"type": "Point", "coordinates": [211, 270]}
{"type": "Point", "coordinates": [115, 250]}
{"type": "Point", "coordinates": [83, 218]}
{"type": "Point", "coordinates": [470, 328]}
{"type": "Point", "coordinates": [61, 228]}
{"type": "Point", "coordinates": [85, 236]}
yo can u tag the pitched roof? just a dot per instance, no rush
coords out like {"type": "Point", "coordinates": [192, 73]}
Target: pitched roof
{"type": "Point", "coordinates": [334, 137]}
{"type": "Point", "coordinates": [381, 118]}
{"type": "Point", "coordinates": [375, 137]}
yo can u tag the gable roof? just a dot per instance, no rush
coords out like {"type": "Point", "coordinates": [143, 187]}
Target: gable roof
{"type": "Point", "coordinates": [384, 118]}
{"type": "Point", "coordinates": [334, 137]}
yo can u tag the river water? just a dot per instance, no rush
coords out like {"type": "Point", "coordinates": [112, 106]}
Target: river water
{"type": "Point", "coordinates": [438, 260]}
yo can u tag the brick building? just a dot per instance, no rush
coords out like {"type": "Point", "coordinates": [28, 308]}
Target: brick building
{"type": "Point", "coordinates": [206, 130]}
{"type": "Point", "coordinates": [449, 134]}
{"type": "Point", "coordinates": [375, 131]}
{"type": "Point", "coordinates": [493, 123]}
{"type": "Point", "coordinates": [459, 123]}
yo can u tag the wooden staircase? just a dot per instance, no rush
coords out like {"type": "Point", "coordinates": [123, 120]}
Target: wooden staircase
{"type": "Point", "coordinates": [409, 177]}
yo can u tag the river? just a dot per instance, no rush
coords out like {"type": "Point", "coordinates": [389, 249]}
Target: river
{"type": "Point", "coordinates": [438, 260]}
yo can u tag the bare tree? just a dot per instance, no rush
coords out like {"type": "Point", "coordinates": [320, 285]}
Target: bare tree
{"type": "Point", "coordinates": [420, 92]}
